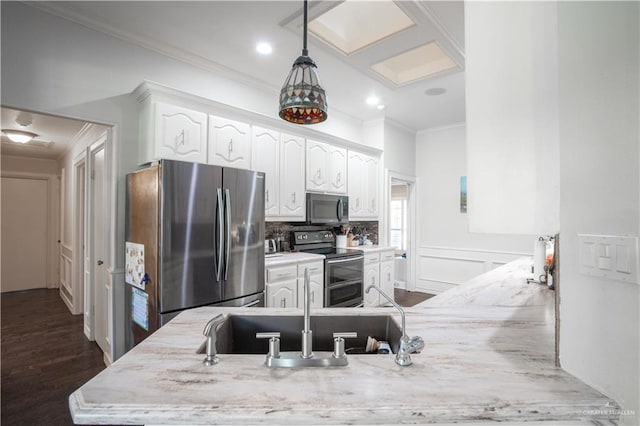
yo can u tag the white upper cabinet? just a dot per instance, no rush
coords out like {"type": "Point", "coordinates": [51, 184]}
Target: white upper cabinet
{"type": "Point", "coordinates": [363, 186]}
{"type": "Point", "coordinates": [172, 132]}
{"type": "Point", "coordinates": [317, 158]}
{"type": "Point", "coordinates": [356, 184]}
{"type": "Point", "coordinates": [337, 170]}
{"type": "Point", "coordinates": [229, 143]}
{"type": "Point", "coordinates": [326, 168]}
{"type": "Point", "coordinates": [265, 157]}
{"type": "Point", "coordinates": [292, 197]}
{"type": "Point", "coordinates": [371, 181]}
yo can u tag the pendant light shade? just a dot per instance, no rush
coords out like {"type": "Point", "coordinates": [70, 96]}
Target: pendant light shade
{"type": "Point", "coordinates": [302, 98]}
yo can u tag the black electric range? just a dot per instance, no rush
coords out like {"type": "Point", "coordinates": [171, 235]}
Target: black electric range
{"type": "Point", "coordinates": [343, 267]}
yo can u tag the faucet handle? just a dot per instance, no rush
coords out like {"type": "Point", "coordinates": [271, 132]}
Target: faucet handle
{"type": "Point", "coordinates": [274, 342]}
{"type": "Point", "coordinates": [338, 342]}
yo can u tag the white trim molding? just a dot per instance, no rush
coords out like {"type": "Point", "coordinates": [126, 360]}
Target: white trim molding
{"type": "Point", "coordinates": [442, 268]}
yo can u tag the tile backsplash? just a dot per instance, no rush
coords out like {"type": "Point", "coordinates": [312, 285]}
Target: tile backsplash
{"type": "Point", "coordinates": [273, 228]}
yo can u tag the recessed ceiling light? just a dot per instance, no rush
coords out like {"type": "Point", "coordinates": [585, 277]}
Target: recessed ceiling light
{"type": "Point", "coordinates": [380, 107]}
{"type": "Point", "coordinates": [264, 48]}
{"type": "Point", "coordinates": [372, 100]}
{"type": "Point", "coordinates": [435, 91]}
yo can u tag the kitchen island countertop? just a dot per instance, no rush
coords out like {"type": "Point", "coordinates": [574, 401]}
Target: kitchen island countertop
{"type": "Point", "coordinates": [480, 363]}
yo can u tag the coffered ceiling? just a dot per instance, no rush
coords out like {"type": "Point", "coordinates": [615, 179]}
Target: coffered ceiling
{"type": "Point", "coordinates": [221, 36]}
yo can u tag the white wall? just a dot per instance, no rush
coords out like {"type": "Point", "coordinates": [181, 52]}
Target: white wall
{"type": "Point", "coordinates": [45, 166]}
{"type": "Point", "coordinates": [448, 253]}
{"type": "Point", "coordinates": [511, 105]}
{"type": "Point", "coordinates": [599, 162]}
{"type": "Point", "coordinates": [399, 149]}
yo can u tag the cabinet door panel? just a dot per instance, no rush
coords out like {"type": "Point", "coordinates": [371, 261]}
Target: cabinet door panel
{"type": "Point", "coordinates": [292, 199]}
{"type": "Point", "coordinates": [356, 184]}
{"type": "Point", "coordinates": [371, 277]}
{"type": "Point", "coordinates": [281, 295]}
{"type": "Point", "coordinates": [180, 133]}
{"type": "Point", "coordinates": [371, 170]}
{"type": "Point", "coordinates": [265, 156]}
{"type": "Point", "coordinates": [316, 291]}
{"type": "Point", "coordinates": [230, 143]}
{"type": "Point", "coordinates": [317, 157]}
{"type": "Point", "coordinates": [386, 280]}
{"type": "Point", "coordinates": [337, 170]}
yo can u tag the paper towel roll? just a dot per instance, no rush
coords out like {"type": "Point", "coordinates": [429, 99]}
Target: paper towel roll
{"type": "Point", "coordinates": [539, 254]}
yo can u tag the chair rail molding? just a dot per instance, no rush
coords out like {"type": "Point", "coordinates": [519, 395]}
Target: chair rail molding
{"type": "Point", "coordinates": [442, 268]}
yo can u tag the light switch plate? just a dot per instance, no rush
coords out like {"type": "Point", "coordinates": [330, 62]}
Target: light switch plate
{"type": "Point", "coordinates": [609, 256]}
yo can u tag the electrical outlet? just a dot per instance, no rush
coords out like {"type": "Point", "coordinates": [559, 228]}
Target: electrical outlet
{"type": "Point", "coordinates": [609, 256]}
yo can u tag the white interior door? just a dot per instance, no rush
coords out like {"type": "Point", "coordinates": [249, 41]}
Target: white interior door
{"type": "Point", "coordinates": [24, 233]}
{"type": "Point", "coordinates": [97, 246]}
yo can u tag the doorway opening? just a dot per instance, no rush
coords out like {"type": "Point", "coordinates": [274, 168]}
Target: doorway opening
{"type": "Point", "coordinates": [401, 227]}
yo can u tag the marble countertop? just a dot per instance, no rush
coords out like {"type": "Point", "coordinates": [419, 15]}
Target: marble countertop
{"type": "Point", "coordinates": [291, 257]}
{"type": "Point", "coordinates": [479, 364]}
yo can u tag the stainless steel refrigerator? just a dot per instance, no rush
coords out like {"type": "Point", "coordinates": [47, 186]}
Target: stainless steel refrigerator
{"type": "Point", "coordinates": [202, 229]}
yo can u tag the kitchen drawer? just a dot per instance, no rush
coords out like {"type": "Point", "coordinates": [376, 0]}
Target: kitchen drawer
{"type": "Point", "coordinates": [371, 258]}
{"type": "Point", "coordinates": [318, 268]}
{"type": "Point", "coordinates": [388, 255]}
{"type": "Point", "coordinates": [280, 273]}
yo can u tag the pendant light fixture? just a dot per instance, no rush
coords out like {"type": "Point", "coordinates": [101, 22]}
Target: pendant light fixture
{"type": "Point", "coordinates": [302, 99]}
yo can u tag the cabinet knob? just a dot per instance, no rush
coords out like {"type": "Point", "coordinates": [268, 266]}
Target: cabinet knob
{"type": "Point", "coordinates": [230, 146]}
{"type": "Point", "coordinates": [293, 197]}
{"type": "Point", "coordinates": [283, 303]}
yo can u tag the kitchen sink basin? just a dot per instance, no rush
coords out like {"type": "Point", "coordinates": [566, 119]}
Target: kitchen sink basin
{"type": "Point", "coordinates": [237, 335]}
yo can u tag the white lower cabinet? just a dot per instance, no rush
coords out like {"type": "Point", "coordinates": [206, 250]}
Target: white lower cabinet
{"type": "Point", "coordinates": [378, 270]}
{"type": "Point", "coordinates": [371, 277]}
{"type": "Point", "coordinates": [282, 294]}
{"type": "Point", "coordinates": [317, 284]}
{"type": "Point", "coordinates": [284, 285]}
{"type": "Point", "coordinates": [281, 286]}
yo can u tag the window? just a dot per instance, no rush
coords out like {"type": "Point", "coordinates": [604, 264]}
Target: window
{"type": "Point", "coordinates": [398, 225]}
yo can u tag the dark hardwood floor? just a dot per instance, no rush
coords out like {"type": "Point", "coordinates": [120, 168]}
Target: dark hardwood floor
{"type": "Point", "coordinates": [45, 357]}
{"type": "Point", "coordinates": [409, 298]}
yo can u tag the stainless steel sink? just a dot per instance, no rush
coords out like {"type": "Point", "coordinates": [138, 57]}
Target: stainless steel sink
{"type": "Point", "coordinates": [237, 335]}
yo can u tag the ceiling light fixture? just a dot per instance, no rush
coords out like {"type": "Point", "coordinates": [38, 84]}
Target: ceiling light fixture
{"type": "Point", "coordinates": [372, 100]}
{"type": "Point", "coordinates": [435, 91]}
{"type": "Point", "coordinates": [264, 48]}
{"type": "Point", "coordinates": [302, 98]}
{"type": "Point", "coordinates": [19, 136]}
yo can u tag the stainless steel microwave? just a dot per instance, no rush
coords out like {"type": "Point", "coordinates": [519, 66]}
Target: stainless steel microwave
{"type": "Point", "coordinates": [325, 209]}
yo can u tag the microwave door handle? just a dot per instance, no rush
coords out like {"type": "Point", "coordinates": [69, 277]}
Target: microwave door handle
{"type": "Point", "coordinates": [339, 209]}
{"type": "Point", "coordinates": [227, 202]}
{"type": "Point", "coordinates": [220, 224]}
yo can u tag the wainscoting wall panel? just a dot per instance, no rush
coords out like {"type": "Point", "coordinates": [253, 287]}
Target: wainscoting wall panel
{"type": "Point", "coordinates": [442, 268]}
{"type": "Point", "coordinates": [66, 276]}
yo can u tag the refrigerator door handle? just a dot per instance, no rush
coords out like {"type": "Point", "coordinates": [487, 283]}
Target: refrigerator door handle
{"type": "Point", "coordinates": [254, 303]}
{"type": "Point", "coordinates": [218, 265]}
{"type": "Point", "coordinates": [227, 208]}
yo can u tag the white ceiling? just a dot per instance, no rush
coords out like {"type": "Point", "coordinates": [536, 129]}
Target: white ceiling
{"type": "Point", "coordinates": [221, 35]}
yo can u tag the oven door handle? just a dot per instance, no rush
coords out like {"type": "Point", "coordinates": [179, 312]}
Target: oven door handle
{"type": "Point", "coordinates": [349, 259]}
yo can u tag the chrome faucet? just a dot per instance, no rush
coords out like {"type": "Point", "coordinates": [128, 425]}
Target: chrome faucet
{"type": "Point", "coordinates": [210, 330]}
{"type": "Point", "coordinates": [306, 358]}
{"type": "Point", "coordinates": [307, 334]}
{"type": "Point", "coordinates": [407, 345]}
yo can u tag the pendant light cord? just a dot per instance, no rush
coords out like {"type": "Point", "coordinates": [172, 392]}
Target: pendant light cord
{"type": "Point", "coordinates": [305, 52]}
